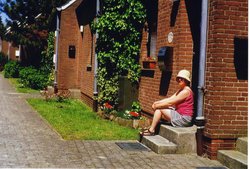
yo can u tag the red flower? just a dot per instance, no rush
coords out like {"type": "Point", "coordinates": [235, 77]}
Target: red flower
{"type": "Point", "coordinates": [134, 114]}
{"type": "Point", "coordinates": [107, 105]}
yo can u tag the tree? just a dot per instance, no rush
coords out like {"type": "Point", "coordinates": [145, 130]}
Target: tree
{"type": "Point", "coordinates": [2, 27]}
{"type": "Point", "coordinates": [29, 22]}
{"type": "Point", "coordinates": [118, 45]}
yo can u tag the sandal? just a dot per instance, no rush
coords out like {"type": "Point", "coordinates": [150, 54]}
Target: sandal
{"type": "Point", "coordinates": [145, 128]}
{"type": "Point", "coordinates": [147, 133]}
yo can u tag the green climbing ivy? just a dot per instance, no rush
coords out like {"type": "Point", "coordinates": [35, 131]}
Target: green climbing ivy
{"type": "Point", "coordinates": [119, 28]}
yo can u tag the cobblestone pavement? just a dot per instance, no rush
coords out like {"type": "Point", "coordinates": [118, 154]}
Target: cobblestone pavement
{"type": "Point", "coordinates": [27, 141]}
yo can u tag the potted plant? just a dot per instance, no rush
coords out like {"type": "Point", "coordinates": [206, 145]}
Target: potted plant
{"type": "Point", "coordinates": [149, 62]}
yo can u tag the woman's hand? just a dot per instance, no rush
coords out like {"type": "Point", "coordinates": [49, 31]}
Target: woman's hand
{"type": "Point", "coordinates": [164, 103]}
{"type": "Point", "coordinates": [153, 106]}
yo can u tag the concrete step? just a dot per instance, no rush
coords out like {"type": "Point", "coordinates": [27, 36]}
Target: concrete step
{"type": "Point", "coordinates": [75, 93]}
{"type": "Point", "coordinates": [241, 145]}
{"type": "Point", "coordinates": [159, 144]}
{"type": "Point", "coordinates": [183, 137]}
{"type": "Point", "coordinates": [232, 159]}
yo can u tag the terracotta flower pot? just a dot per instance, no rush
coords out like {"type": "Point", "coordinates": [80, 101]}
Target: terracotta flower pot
{"type": "Point", "coordinates": [149, 64]}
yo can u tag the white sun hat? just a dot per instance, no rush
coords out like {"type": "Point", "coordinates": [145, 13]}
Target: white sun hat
{"type": "Point", "coordinates": [184, 74]}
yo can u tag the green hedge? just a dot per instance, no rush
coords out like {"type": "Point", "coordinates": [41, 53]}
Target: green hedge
{"type": "Point", "coordinates": [11, 69]}
{"type": "Point", "coordinates": [33, 78]}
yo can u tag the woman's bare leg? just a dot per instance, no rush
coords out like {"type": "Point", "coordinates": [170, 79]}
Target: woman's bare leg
{"type": "Point", "coordinates": [157, 117]}
{"type": "Point", "coordinates": [166, 113]}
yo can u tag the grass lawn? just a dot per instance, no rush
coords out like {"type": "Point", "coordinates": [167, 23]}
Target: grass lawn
{"type": "Point", "coordinates": [74, 120]}
{"type": "Point", "coordinates": [20, 88]}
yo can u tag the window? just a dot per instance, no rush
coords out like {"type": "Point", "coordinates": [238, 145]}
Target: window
{"type": "Point", "coordinates": [152, 16]}
{"type": "Point", "coordinates": [72, 51]}
{"type": "Point", "coordinates": [241, 58]}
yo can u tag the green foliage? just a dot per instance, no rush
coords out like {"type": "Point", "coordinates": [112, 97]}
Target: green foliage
{"type": "Point", "coordinates": [47, 55]}
{"type": "Point", "coordinates": [134, 113]}
{"type": "Point", "coordinates": [3, 60]}
{"type": "Point", "coordinates": [118, 45]}
{"type": "Point", "coordinates": [33, 78]}
{"type": "Point", "coordinates": [42, 77]}
{"type": "Point", "coordinates": [108, 108]}
{"type": "Point", "coordinates": [136, 107]}
{"type": "Point", "coordinates": [28, 23]}
{"type": "Point", "coordinates": [11, 69]}
{"type": "Point", "coordinates": [30, 20]}
{"type": "Point", "coordinates": [30, 76]}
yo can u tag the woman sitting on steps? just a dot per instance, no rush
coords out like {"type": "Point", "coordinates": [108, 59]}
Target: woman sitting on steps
{"type": "Point", "coordinates": [177, 109]}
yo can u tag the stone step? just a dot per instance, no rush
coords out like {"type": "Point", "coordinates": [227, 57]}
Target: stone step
{"type": "Point", "coordinates": [241, 145]}
{"type": "Point", "coordinates": [183, 137]}
{"type": "Point", "coordinates": [232, 159]}
{"type": "Point", "coordinates": [75, 93]}
{"type": "Point", "coordinates": [159, 144]}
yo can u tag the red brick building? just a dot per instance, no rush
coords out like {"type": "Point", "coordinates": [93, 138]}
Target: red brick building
{"type": "Point", "coordinates": [226, 84]}
{"type": "Point", "coordinates": [175, 26]}
{"type": "Point", "coordinates": [76, 48]}
{"type": "Point", "coordinates": [226, 100]}
{"type": "Point", "coordinates": [9, 50]}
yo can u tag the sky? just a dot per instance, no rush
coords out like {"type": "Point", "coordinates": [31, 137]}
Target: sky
{"type": "Point", "coordinates": [3, 16]}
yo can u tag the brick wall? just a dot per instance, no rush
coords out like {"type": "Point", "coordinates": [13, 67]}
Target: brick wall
{"type": "Point", "coordinates": [11, 51]}
{"type": "Point", "coordinates": [211, 146]}
{"type": "Point", "coordinates": [86, 66]}
{"type": "Point", "coordinates": [5, 47]}
{"type": "Point", "coordinates": [182, 44]}
{"type": "Point", "coordinates": [226, 103]}
{"type": "Point", "coordinates": [69, 35]}
{"type": "Point", "coordinates": [76, 72]}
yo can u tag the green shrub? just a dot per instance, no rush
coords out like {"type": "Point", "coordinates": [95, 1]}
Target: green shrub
{"type": "Point", "coordinates": [47, 55]}
{"type": "Point", "coordinates": [11, 69]}
{"type": "Point", "coordinates": [3, 60]}
{"type": "Point", "coordinates": [118, 46]}
{"type": "Point", "coordinates": [33, 78]}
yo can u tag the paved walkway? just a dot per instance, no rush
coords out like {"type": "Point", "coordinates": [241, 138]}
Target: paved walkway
{"type": "Point", "coordinates": [27, 141]}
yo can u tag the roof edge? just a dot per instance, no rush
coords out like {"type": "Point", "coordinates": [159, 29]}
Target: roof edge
{"type": "Point", "coordinates": [65, 6]}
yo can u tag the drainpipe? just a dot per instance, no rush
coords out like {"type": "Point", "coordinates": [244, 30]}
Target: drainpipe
{"type": "Point", "coordinates": [95, 93]}
{"type": "Point", "coordinates": [200, 120]}
{"type": "Point", "coordinates": [19, 48]}
{"type": "Point", "coordinates": [56, 53]}
{"type": "Point", "coordinates": [8, 53]}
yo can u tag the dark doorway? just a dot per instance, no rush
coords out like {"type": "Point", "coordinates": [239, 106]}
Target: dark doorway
{"type": "Point", "coordinates": [194, 17]}
{"type": "Point", "coordinates": [241, 58]}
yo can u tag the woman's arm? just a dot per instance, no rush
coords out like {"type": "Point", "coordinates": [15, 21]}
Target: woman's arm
{"type": "Point", "coordinates": [166, 99]}
{"type": "Point", "coordinates": [162, 101]}
{"type": "Point", "coordinates": [171, 101]}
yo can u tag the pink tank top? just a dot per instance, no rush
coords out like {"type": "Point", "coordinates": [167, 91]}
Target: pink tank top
{"type": "Point", "coordinates": [186, 108]}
